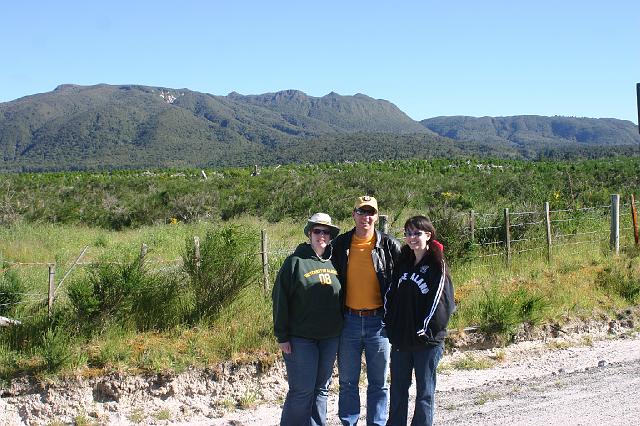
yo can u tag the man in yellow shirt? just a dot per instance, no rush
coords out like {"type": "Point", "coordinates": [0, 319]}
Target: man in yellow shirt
{"type": "Point", "coordinates": [364, 259]}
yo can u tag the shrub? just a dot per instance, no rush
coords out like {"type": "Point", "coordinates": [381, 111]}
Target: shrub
{"type": "Point", "coordinates": [29, 334]}
{"type": "Point", "coordinates": [452, 229]}
{"type": "Point", "coordinates": [162, 302]}
{"type": "Point", "coordinates": [500, 314]}
{"type": "Point", "coordinates": [11, 292]}
{"type": "Point", "coordinates": [228, 264]}
{"type": "Point", "coordinates": [496, 312]}
{"type": "Point", "coordinates": [115, 349]}
{"type": "Point", "coordinates": [55, 348]}
{"type": "Point", "coordinates": [621, 280]}
{"type": "Point", "coordinates": [129, 294]}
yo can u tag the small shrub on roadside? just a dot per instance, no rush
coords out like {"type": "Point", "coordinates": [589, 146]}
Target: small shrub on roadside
{"type": "Point", "coordinates": [501, 314]}
{"type": "Point", "coordinates": [115, 351]}
{"type": "Point", "coordinates": [129, 294]}
{"type": "Point", "coordinates": [228, 264]}
{"type": "Point", "coordinates": [29, 334]}
{"type": "Point", "coordinates": [55, 348]}
{"type": "Point", "coordinates": [496, 312]}
{"type": "Point", "coordinates": [531, 306]}
{"type": "Point", "coordinates": [11, 292]}
{"type": "Point", "coordinates": [621, 280]}
{"type": "Point", "coordinates": [164, 414]}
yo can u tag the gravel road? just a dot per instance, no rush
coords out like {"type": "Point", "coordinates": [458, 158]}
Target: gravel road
{"type": "Point", "coordinates": [557, 382]}
{"type": "Point", "coordinates": [578, 379]}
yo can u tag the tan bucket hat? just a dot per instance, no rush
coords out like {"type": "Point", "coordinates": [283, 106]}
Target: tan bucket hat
{"type": "Point", "coordinates": [321, 219]}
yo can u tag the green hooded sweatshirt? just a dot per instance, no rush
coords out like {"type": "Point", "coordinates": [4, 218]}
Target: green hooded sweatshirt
{"type": "Point", "coordinates": [306, 297]}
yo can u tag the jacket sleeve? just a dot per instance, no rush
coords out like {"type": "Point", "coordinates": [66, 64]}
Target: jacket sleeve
{"type": "Point", "coordinates": [280, 298]}
{"type": "Point", "coordinates": [439, 310]}
{"type": "Point", "coordinates": [388, 301]}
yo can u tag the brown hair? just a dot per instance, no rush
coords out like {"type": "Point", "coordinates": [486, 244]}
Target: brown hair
{"type": "Point", "coordinates": [434, 255]}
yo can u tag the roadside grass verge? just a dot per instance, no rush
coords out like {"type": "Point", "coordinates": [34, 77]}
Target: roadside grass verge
{"type": "Point", "coordinates": [145, 318]}
{"type": "Point", "coordinates": [498, 299]}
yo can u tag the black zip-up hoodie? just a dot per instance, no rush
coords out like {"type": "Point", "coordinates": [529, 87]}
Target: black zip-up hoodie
{"type": "Point", "coordinates": [418, 304]}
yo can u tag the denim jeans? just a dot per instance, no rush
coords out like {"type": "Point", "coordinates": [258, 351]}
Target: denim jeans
{"type": "Point", "coordinates": [309, 368]}
{"type": "Point", "coordinates": [363, 334]}
{"type": "Point", "coordinates": [424, 363]}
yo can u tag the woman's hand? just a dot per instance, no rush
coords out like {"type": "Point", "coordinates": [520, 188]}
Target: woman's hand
{"type": "Point", "coordinates": [285, 347]}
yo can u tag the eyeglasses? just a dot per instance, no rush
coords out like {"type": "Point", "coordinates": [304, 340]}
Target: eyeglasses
{"type": "Point", "coordinates": [318, 231]}
{"type": "Point", "coordinates": [365, 212]}
{"type": "Point", "coordinates": [414, 234]}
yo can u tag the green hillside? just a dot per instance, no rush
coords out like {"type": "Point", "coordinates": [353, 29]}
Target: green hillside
{"type": "Point", "coordinates": [525, 130]}
{"type": "Point", "coordinates": [130, 126]}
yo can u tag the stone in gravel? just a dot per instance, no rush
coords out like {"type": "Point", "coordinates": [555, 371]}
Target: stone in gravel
{"type": "Point", "coordinates": [602, 363]}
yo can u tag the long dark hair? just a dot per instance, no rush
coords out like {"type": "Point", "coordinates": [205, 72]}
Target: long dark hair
{"type": "Point", "coordinates": [434, 256]}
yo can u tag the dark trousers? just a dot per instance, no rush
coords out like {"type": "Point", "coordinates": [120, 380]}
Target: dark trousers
{"type": "Point", "coordinates": [424, 363]}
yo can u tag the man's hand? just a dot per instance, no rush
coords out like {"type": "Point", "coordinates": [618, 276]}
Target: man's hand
{"type": "Point", "coordinates": [285, 347]}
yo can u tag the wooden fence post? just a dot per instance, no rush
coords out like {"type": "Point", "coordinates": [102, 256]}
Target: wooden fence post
{"type": "Point", "coordinates": [472, 226]}
{"type": "Point", "coordinates": [634, 217]}
{"type": "Point", "coordinates": [52, 288]}
{"type": "Point", "coordinates": [383, 224]}
{"type": "Point", "coordinates": [507, 235]}
{"type": "Point", "coordinates": [143, 253]}
{"type": "Point", "coordinates": [615, 223]}
{"type": "Point", "coordinates": [196, 253]}
{"type": "Point", "coordinates": [547, 221]}
{"type": "Point", "coordinates": [265, 261]}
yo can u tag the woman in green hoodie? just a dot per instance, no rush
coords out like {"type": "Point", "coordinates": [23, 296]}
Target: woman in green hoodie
{"type": "Point", "coordinates": [307, 321]}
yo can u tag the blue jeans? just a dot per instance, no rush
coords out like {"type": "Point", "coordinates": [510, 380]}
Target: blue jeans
{"type": "Point", "coordinates": [424, 363]}
{"type": "Point", "coordinates": [309, 368]}
{"type": "Point", "coordinates": [363, 334]}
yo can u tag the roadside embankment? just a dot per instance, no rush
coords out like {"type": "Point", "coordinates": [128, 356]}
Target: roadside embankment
{"type": "Point", "coordinates": [578, 373]}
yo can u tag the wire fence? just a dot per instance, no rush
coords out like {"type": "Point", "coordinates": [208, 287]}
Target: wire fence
{"type": "Point", "coordinates": [482, 236]}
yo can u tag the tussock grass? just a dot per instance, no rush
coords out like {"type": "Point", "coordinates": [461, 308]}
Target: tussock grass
{"type": "Point", "coordinates": [470, 362]}
{"type": "Point", "coordinates": [485, 397]}
{"type": "Point", "coordinates": [622, 279]}
{"type": "Point", "coordinates": [558, 345]}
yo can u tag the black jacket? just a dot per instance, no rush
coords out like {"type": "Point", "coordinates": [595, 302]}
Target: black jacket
{"type": "Point", "coordinates": [384, 255]}
{"type": "Point", "coordinates": [418, 304]}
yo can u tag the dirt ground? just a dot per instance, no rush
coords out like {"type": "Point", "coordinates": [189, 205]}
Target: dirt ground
{"type": "Point", "coordinates": [557, 382]}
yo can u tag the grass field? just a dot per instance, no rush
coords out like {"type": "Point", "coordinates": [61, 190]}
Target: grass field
{"type": "Point", "coordinates": [490, 295]}
{"type": "Point", "coordinates": [113, 312]}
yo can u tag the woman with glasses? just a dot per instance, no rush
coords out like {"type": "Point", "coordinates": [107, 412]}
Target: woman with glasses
{"type": "Point", "coordinates": [307, 320]}
{"type": "Point", "coordinates": [418, 305]}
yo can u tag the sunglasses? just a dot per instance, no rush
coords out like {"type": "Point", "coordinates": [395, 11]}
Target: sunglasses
{"type": "Point", "coordinates": [414, 234]}
{"type": "Point", "coordinates": [317, 231]}
{"type": "Point", "coordinates": [365, 212]}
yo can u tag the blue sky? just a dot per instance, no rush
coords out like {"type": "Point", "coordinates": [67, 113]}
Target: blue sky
{"type": "Point", "coordinates": [430, 58]}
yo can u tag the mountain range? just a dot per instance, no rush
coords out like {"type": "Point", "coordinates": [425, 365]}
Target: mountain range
{"type": "Point", "coordinates": [132, 126]}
